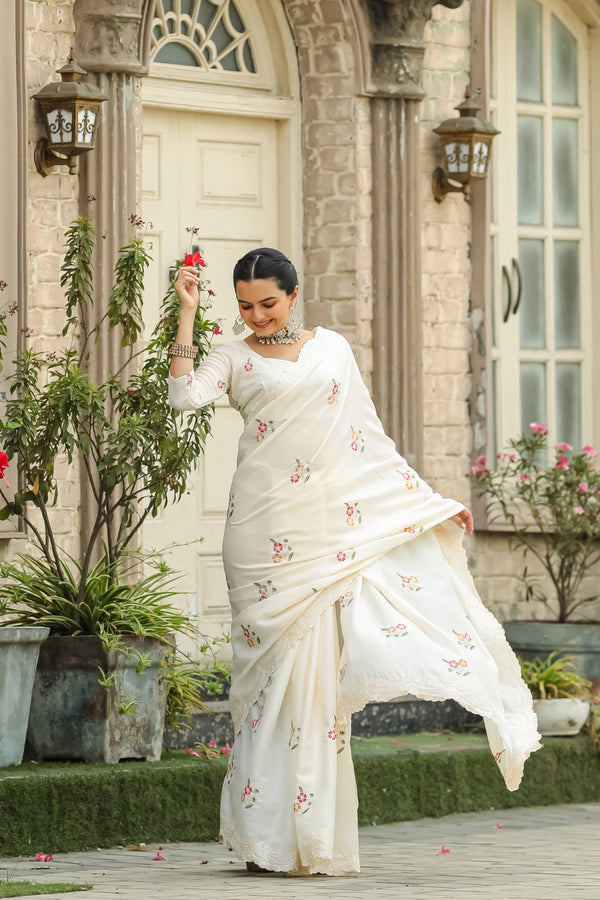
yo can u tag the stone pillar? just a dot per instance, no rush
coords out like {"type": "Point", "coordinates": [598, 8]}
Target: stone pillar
{"type": "Point", "coordinates": [392, 77]}
{"type": "Point", "coordinates": [108, 41]}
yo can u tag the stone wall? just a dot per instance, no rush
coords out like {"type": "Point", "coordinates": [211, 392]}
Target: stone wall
{"type": "Point", "coordinates": [446, 235]}
{"type": "Point", "coordinates": [335, 143]}
{"type": "Point", "coordinates": [52, 205]}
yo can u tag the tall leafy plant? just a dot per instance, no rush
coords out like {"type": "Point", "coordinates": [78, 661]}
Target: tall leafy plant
{"type": "Point", "coordinates": [136, 451]}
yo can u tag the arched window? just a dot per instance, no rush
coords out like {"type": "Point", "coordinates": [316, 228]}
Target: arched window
{"type": "Point", "coordinates": [205, 35]}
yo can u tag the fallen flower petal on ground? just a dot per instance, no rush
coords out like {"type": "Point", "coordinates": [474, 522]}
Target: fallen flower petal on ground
{"type": "Point", "coordinates": [43, 857]}
{"type": "Point", "coordinates": [444, 849]}
{"type": "Point", "coordinates": [158, 856]}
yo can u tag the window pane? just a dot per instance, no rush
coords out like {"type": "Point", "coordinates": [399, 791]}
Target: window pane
{"type": "Point", "coordinates": [533, 394]}
{"type": "Point", "coordinates": [532, 313]}
{"type": "Point", "coordinates": [566, 295]}
{"type": "Point", "coordinates": [564, 64]}
{"type": "Point", "coordinates": [529, 50]}
{"type": "Point", "coordinates": [568, 404]}
{"type": "Point", "coordinates": [495, 404]}
{"type": "Point", "coordinates": [565, 171]}
{"type": "Point", "coordinates": [530, 164]}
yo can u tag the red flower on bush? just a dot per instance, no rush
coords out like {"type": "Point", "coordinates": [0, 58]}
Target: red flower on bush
{"type": "Point", "coordinates": [3, 463]}
{"type": "Point", "coordinates": [193, 259]}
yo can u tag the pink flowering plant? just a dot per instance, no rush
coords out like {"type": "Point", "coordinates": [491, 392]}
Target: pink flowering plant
{"type": "Point", "coordinates": [553, 511]}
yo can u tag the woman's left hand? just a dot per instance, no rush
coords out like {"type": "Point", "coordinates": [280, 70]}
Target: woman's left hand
{"type": "Point", "coordinates": [465, 519]}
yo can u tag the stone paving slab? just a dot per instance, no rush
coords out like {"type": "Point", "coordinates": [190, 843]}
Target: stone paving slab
{"type": "Point", "coordinates": [538, 853]}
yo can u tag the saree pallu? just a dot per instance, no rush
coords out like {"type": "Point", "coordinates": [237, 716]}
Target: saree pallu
{"type": "Point", "coordinates": [347, 584]}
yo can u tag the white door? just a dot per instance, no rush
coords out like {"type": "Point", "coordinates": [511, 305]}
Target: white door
{"type": "Point", "coordinates": [218, 173]}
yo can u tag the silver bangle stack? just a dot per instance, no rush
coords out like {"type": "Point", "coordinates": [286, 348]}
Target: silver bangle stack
{"type": "Point", "coordinates": [188, 350]}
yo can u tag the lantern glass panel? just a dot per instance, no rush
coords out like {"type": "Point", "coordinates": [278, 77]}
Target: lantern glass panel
{"type": "Point", "coordinates": [60, 125]}
{"type": "Point", "coordinates": [480, 158]}
{"type": "Point", "coordinates": [86, 121]}
{"type": "Point", "coordinates": [457, 157]}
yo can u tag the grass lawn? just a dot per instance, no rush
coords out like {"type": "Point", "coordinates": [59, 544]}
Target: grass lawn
{"type": "Point", "coordinates": [30, 889]}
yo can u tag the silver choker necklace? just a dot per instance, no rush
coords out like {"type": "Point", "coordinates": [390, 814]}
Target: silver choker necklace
{"type": "Point", "coordinates": [289, 334]}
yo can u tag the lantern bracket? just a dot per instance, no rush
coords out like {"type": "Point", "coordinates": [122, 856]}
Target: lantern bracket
{"type": "Point", "coordinates": [45, 159]}
{"type": "Point", "coordinates": [441, 185]}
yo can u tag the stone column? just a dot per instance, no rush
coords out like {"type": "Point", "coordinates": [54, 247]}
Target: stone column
{"type": "Point", "coordinates": [392, 77]}
{"type": "Point", "coordinates": [108, 41]}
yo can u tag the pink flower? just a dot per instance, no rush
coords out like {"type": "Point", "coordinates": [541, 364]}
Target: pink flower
{"type": "Point", "coordinates": [341, 556]}
{"type": "Point", "coordinates": [579, 511]}
{"type": "Point", "coordinates": [589, 450]}
{"type": "Point", "coordinates": [248, 366]}
{"type": "Point", "coordinates": [217, 330]}
{"type": "Point", "coordinates": [220, 385]}
{"type": "Point", "coordinates": [191, 752]}
{"type": "Point", "coordinates": [354, 445]}
{"type": "Point", "coordinates": [350, 511]}
{"type": "Point", "coordinates": [453, 663]}
{"type": "Point", "coordinates": [226, 750]}
{"type": "Point", "coordinates": [563, 463]}
{"type": "Point", "coordinates": [481, 460]}
{"type": "Point", "coordinates": [43, 857]}
{"type": "Point", "coordinates": [444, 849]}
{"type": "Point", "coordinates": [477, 470]}
{"type": "Point", "coordinates": [246, 630]}
{"type": "Point", "coordinates": [335, 389]}
{"type": "Point", "coordinates": [277, 547]}
{"type": "Point", "coordinates": [537, 428]}
{"type": "Point", "coordinates": [524, 477]}
{"type": "Point", "coordinates": [563, 446]}
{"type": "Point", "coordinates": [302, 798]}
{"type": "Point", "coordinates": [212, 743]}
{"type": "Point", "coordinates": [294, 478]}
{"type": "Point", "coordinates": [332, 735]}
{"type": "Point", "coordinates": [248, 790]}
{"type": "Point", "coordinates": [582, 488]}
{"type": "Point", "coordinates": [262, 426]}
{"type": "Point", "coordinates": [158, 856]}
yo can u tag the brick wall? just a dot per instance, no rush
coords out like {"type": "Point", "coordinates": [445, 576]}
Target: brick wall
{"type": "Point", "coordinates": [51, 206]}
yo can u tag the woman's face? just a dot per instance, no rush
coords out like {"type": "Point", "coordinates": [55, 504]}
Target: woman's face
{"type": "Point", "coordinates": [264, 307]}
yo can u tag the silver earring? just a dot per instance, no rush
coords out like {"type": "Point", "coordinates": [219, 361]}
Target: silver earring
{"type": "Point", "coordinates": [293, 321]}
{"type": "Point", "coordinates": [238, 325]}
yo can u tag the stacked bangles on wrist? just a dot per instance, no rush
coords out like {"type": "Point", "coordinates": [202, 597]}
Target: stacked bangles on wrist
{"type": "Point", "coordinates": [188, 350]}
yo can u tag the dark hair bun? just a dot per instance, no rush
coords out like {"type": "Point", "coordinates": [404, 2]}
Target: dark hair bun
{"type": "Point", "coordinates": [266, 262]}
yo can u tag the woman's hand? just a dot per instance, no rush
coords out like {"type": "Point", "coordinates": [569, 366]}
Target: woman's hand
{"type": "Point", "coordinates": [186, 287]}
{"type": "Point", "coordinates": [465, 519]}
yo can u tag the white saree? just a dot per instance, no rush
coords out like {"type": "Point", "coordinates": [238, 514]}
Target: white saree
{"type": "Point", "coordinates": [347, 584]}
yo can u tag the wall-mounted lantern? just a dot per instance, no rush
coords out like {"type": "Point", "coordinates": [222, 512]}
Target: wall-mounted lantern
{"type": "Point", "coordinates": [466, 141]}
{"type": "Point", "coordinates": [70, 110]}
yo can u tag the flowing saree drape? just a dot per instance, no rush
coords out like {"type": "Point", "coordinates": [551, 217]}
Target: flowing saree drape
{"type": "Point", "coordinates": [347, 584]}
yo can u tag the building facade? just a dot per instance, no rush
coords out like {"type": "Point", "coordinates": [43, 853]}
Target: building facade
{"type": "Point", "coordinates": [308, 125]}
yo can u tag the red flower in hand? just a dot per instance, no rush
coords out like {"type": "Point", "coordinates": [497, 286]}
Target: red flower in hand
{"type": "Point", "coordinates": [193, 259]}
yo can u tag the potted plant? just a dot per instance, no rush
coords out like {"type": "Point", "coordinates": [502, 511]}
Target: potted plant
{"type": "Point", "coordinates": [135, 452]}
{"type": "Point", "coordinates": [553, 511]}
{"type": "Point", "coordinates": [561, 696]}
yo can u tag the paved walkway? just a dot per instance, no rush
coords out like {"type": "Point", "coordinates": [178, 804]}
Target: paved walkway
{"type": "Point", "coordinates": [541, 853]}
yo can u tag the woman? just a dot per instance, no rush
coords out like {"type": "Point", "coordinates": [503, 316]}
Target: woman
{"type": "Point", "coordinates": [346, 577]}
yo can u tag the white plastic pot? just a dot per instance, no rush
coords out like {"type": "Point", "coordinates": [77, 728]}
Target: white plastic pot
{"type": "Point", "coordinates": [563, 716]}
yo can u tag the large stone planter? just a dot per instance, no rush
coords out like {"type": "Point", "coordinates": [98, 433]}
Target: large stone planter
{"type": "Point", "coordinates": [74, 717]}
{"type": "Point", "coordinates": [538, 639]}
{"type": "Point", "coordinates": [19, 649]}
